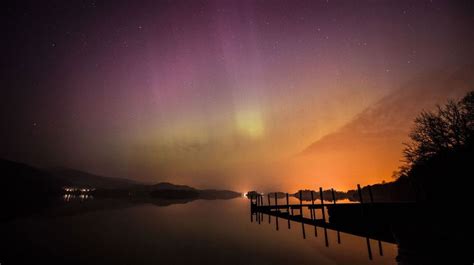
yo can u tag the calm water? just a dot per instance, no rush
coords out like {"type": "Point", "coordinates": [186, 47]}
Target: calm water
{"type": "Point", "coordinates": [198, 232]}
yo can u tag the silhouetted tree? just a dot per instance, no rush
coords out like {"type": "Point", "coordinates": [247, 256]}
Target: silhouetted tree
{"type": "Point", "coordinates": [440, 156]}
{"type": "Point", "coordinates": [449, 127]}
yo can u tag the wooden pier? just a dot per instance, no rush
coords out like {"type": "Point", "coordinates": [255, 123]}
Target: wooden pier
{"type": "Point", "coordinates": [413, 227]}
{"type": "Point", "coordinates": [370, 220]}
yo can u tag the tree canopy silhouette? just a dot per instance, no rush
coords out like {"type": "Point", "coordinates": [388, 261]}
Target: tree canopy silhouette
{"type": "Point", "coordinates": [448, 128]}
{"type": "Point", "coordinates": [440, 155]}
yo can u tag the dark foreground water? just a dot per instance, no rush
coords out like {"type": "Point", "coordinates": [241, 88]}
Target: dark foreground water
{"type": "Point", "coordinates": [198, 232]}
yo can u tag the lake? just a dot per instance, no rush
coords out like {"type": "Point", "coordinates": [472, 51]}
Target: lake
{"type": "Point", "coordinates": [197, 232]}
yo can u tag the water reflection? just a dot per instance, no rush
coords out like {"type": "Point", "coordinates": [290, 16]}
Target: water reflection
{"type": "Point", "coordinates": [73, 197]}
{"type": "Point", "coordinates": [259, 216]}
{"type": "Point", "coordinates": [210, 232]}
{"type": "Point", "coordinates": [416, 239]}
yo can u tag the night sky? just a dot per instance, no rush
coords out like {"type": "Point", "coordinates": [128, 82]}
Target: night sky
{"type": "Point", "coordinates": [207, 93]}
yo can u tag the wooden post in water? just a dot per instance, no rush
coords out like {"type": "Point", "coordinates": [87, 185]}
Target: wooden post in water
{"type": "Point", "coordinates": [333, 196]}
{"type": "Point", "coordinates": [380, 248]}
{"type": "Point", "coordinates": [258, 217]}
{"type": "Point", "coordinates": [276, 222]}
{"type": "Point", "coordinates": [322, 203]}
{"type": "Point", "coordinates": [269, 209]}
{"type": "Point", "coordinates": [277, 211]}
{"type": "Point", "coordinates": [326, 240]}
{"type": "Point", "coordinates": [334, 202]}
{"type": "Point", "coordinates": [369, 250]}
{"type": "Point", "coordinates": [292, 210]}
{"type": "Point", "coordinates": [361, 200]}
{"type": "Point", "coordinates": [301, 203]}
{"type": "Point", "coordinates": [312, 204]}
{"type": "Point", "coordinates": [288, 209]}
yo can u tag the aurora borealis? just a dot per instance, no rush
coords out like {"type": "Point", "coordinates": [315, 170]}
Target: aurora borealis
{"type": "Point", "coordinates": [209, 93]}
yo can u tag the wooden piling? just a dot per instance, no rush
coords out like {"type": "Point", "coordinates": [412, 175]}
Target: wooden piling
{"type": "Point", "coordinates": [369, 250]}
{"type": "Point", "coordinates": [334, 202]}
{"type": "Point", "coordinates": [326, 240]}
{"type": "Point", "coordinates": [359, 190]}
{"type": "Point", "coordinates": [276, 223]}
{"type": "Point", "coordinates": [301, 203]}
{"type": "Point", "coordinates": [333, 196]}
{"type": "Point", "coordinates": [276, 217]}
{"type": "Point", "coordinates": [322, 203]}
{"type": "Point", "coordinates": [312, 209]}
{"type": "Point", "coordinates": [380, 248]}
{"type": "Point", "coordinates": [268, 197]}
{"type": "Point", "coordinates": [304, 232]}
{"type": "Point", "coordinates": [288, 209]}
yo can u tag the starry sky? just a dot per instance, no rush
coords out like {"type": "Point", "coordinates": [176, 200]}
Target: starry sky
{"type": "Point", "coordinates": [207, 93]}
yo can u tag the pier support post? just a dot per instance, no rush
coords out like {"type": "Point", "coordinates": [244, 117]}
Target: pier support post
{"type": "Point", "coordinates": [288, 209]}
{"type": "Point", "coordinates": [333, 196]}
{"type": "Point", "coordinates": [301, 203]}
{"type": "Point", "coordinates": [334, 202]}
{"type": "Point", "coordinates": [322, 203]}
{"type": "Point", "coordinates": [369, 249]}
{"type": "Point", "coordinates": [380, 248]}
{"type": "Point", "coordinates": [276, 201]}
{"type": "Point", "coordinates": [359, 190]}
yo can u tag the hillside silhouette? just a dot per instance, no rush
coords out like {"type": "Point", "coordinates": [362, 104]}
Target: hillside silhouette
{"type": "Point", "coordinates": [26, 190]}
